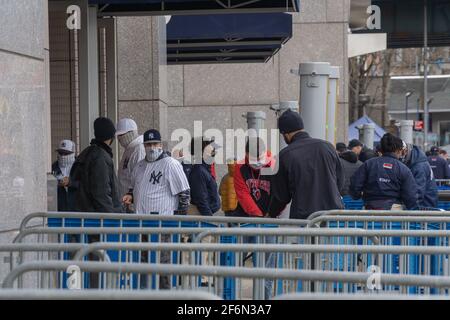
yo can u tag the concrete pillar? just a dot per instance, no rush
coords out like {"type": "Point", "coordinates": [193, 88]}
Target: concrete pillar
{"type": "Point", "coordinates": [332, 105]}
{"type": "Point", "coordinates": [314, 97]}
{"type": "Point", "coordinates": [24, 110]}
{"type": "Point", "coordinates": [367, 134]}
{"type": "Point", "coordinates": [406, 130]}
{"type": "Point", "coordinates": [88, 66]}
{"type": "Point", "coordinates": [255, 120]}
{"type": "Point", "coordinates": [280, 109]}
{"type": "Point", "coordinates": [142, 72]}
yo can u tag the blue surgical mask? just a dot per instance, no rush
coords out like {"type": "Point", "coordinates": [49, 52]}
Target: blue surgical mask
{"type": "Point", "coordinates": [152, 154]}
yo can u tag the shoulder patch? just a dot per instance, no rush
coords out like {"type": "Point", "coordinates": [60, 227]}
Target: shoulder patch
{"type": "Point", "coordinates": [388, 166]}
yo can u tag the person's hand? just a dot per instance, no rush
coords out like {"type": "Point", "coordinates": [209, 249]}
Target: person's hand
{"type": "Point", "coordinates": [65, 182]}
{"type": "Point", "coordinates": [127, 199]}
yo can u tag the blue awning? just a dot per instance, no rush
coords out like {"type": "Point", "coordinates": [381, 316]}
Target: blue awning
{"type": "Point", "coordinates": [183, 7]}
{"type": "Point", "coordinates": [227, 38]}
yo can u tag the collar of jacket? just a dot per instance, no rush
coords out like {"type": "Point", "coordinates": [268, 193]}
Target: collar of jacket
{"type": "Point", "coordinates": [300, 135]}
{"type": "Point", "coordinates": [390, 155]}
{"type": "Point", "coordinates": [102, 145]}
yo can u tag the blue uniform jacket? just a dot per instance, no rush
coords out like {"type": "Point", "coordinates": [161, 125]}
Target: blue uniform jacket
{"type": "Point", "coordinates": [204, 194]}
{"type": "Point", "coordinates": [427, 192]}
{"type": "Point", "coordinates": [383, 181]}
{"type": "Point", "coordinates": [440, 167]}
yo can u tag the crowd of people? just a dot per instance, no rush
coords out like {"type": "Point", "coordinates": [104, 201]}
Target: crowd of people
{"type": "Point", "coordinates": [312, 175]}
{"type": "Point", "coordinates": [307, 176]}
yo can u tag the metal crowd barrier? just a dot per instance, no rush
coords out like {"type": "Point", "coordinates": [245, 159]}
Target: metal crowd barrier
{"type": "Point", "coordinates": [14, 294]}
{"type": "Point", "coordinates": [292, 286]}
{"type": "Point", "coordinates": [338, 229]}
{"type": "Point", "coordinates": [441, 284]}
{"type": "Point", "coordinates": [359, 296]}
{"type": "Point", "coordinates": [396, 220]}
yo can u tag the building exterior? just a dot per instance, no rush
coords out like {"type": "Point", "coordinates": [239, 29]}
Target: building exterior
{"type": "Point", "coordinates": [47, 85]}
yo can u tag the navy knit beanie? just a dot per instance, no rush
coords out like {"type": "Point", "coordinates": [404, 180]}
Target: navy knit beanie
{"type": "Point", "coordinates": [104, 129]}
{"type": "Point", "coordinates": [290, 121]}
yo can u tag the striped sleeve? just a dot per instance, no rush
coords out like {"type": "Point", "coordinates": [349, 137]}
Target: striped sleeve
{"type": "Point", "coordinates": [177, 178]}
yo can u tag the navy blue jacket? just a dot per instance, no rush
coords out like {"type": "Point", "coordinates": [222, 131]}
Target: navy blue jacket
{"type": "Point", "coordinates": [204, 194]}
{"type": "Point", "coordinates": [383, 181]}
{"type": "Point", "coordinates": [440, 167]}
{"type": "Point", "coordinates": [427, 192]}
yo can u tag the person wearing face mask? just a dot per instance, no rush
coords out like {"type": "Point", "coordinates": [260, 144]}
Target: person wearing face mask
{"type": "Point", "coordinates": [252, 187]}
{"type": "Point", "coordinates": [204, 193]}
{"type": "Point", "coordinates": [417, 162]}
{"type": "Point", "coordinates": [158, 186]}
{"type": "Point", "coordinates": [385, 183]}
{"type": "Point", "coordinates": [158, 183]}
{"type": "Point", "coordinates": [132, 142]}
{"type": "Point", "coordinates": [310, 173]}
{"type": "Point", "coordinates": [61, 170]}
{"type": "Point", "coordinates": [93, 171]}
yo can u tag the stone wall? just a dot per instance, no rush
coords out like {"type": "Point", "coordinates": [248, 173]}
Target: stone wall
{"type": "Point", "coordinates": [24, 112]}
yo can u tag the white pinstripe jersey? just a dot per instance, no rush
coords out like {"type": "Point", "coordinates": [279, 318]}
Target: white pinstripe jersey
{"type": "Point", "coordinates": [157, 184]}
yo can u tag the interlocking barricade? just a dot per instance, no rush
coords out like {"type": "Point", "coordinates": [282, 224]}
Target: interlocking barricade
{"type": "Point", "coordinates": [443, 184]}
{"type": "Point", "coordinates": [390, 220]}
{"type": "Point", "coordinates": [126, 228]}
{"type": "Point", "coordinates": [384, 281]}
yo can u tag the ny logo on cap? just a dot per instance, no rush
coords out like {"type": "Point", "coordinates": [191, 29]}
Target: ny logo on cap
{"type": "Point", "coordinates": [151, 136]}
{"type": "Point", "coordinates": [63, 144]}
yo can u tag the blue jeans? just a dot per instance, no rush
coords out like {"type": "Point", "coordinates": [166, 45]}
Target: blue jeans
{"type": "Point", "coordinates": [270, 262]}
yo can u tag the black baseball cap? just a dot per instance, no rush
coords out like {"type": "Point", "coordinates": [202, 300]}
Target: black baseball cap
{"type": "Point", "coordinates": [152, 136]}
{"type": "Point", "coordinates": [341, 147]}
{"type": "Point", "coordinates": [354, 143]}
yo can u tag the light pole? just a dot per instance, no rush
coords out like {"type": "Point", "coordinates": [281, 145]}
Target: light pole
{"type": "Point", "coordinates": [407, 95]}
{"type": "Point", "coordinates": [425, 74]}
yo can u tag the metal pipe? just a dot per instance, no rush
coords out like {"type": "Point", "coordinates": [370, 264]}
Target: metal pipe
{"type": "Point", "coordinates": [282, 274]}
{"type": "Point", "coordinates": [57, 294]}
{"type": "Point", "coordinates": [426, 114]}
{"type": "Point", "coordinates": [144, 217]}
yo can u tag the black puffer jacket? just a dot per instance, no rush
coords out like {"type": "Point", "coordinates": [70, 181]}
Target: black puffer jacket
{"type": "Point", "coordinates": [98, 189]}
{"type": "Point", "coordinates": [310, 174]}
{"type": "Point", "coordinates": [350, 164]}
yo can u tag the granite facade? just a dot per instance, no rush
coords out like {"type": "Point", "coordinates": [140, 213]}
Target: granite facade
{"type": "Point", "coordinates": [24, 111]}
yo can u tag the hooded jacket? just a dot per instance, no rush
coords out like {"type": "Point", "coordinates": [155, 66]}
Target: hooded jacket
{"type": "Point", "coordinates": [440, 167]}
{"type": "Point", "coordinates": [93, 172]}
{"type": "Point", "coordinates": [350, 164]}
{"type": "Point", "coordinates": [310, 174]}
{"type": "Point", "coordinates": [252, 189]}
{"type": "Point", "coordinates": [133, 153]}
{"type": "Point", "coordinates": [427, 192]}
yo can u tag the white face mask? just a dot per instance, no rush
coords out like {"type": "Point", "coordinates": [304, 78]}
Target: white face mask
{"type": "Point", "coordinates": [66, 160]}
{"type": "Point", "coordinates": [257, 164]}
{"type": "Point", "coordinates": [127, 138]}
{"type": "Point", "coordinates": [152, 154]}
